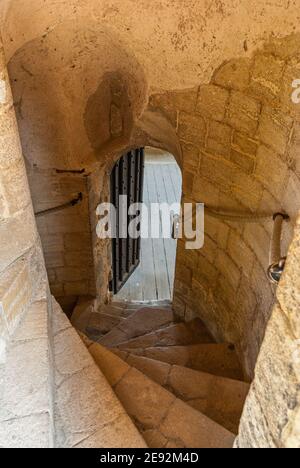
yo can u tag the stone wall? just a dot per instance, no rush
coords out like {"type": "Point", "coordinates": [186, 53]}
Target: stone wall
{"type": "Point", "coordinates": [240, 137]}
{"type": "Point", "coordinates": [271, 416]}
{"type": "Point", "coordinates": [65, 235]}
{"type": "Point", "coordinates": [21, 263]}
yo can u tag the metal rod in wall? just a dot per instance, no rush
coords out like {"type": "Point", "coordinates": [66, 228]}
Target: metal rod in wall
{"type": "Point", "coordinates": [56, 209]}
{"type": "Point", "coordinates": [276, 260]}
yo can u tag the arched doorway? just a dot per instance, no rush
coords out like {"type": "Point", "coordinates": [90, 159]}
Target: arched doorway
{"type": "Point", "coordinates": [144, 269]}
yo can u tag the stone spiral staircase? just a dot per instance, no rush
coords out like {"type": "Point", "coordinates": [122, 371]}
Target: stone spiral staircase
{"type": "Point", "coordinates": [179, 387]}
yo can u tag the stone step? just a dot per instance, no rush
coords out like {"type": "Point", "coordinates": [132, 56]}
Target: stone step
{"type": "Point", "coordinates": [219, 398]}
{"type": "Point", "coordinates": [117, 309]}
{"type": "Point", "coordinates": [140, 323]}
{"type": "Point", "coordinates": [99, 324]}
{"type": "Point", "coordinates": [163, 420]}
{"type": "Point", "coordinates": [217, 359]}
{"type": "Point", "coordinates": [177, 334]}
{"type": "Point", "coordinates": [88, 413]}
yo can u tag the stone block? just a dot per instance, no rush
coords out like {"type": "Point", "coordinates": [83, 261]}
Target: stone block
{"type": "Point", "coordinates": [71, 356]}
{"type": "Point", "coordinates": [27, 433]}
{"type": "Point", "coordinates": [15, 292]}
{"type": "Point", "coordinates": [77, 259]}
{"type": "Point", "coordinates": [242, 255]}
{"type": "Point", "coordinates": [209, 250]}
{"type": "Point", "coordinates": [71, 274]}
{"type": "Point", "coordinates": [293, 151]}
{"type": "Point", "coordinates": [205, 270]}
{"type": "Point", "coordinates": [291, 197]}
{"type": "Point", "coordinates": [18, 234]}
{"type": "Point", "coordinates": [69, 221]}
{"type": "Point", "coordinates": [245, 162]}
{"type": "Point", "coordinates": [119, 433]}
{"type": "Point", "coordinates": [205, 192]}
{"type": "Point", "coordinates": [140, 396]}
{"type": "Point", "coordinates": [35, 323]}
{"type": "Point", "coordinates": [228, 269]}
{"type": "Point", "coordinates": [191, 157]}
{"type": "Point", "coordinates": [288, 292]}
{"type": "Point", "coordinates": [53, 243]}
{"type": "Point", "coordinates": [184, 100]}
{"type": "Point", "coordinates": [219, 138]}
{"type": "Point", "coordinates": [188, 182]}
{"type": "Point", "coordinates": [221, 171]}
{"type": "Point", "coordinates": [76, 288]}
{"type": "Point", "coordinates": [212, 102]}
{"type": "Point", "coordinates": [184, 274]}
{"type": "Point", "coordinates": [258, 240]}
{"type": "Point", "coordinates": [14, 189]}
{"type": "Point", "coordinates": [243, 144]}
{"type": "Point", "coordinates": [111, 365]}
{"type": "Point", "coordinates": [243, 113]}
{"type": "Point", "coordinates": [275, 129]}
{"type": "Point", "coordinates": [278, 403]}
{"type": "Point", "coordinates": [248, 305]}
{"type": "Point", "coordinates": [26, 380]}
{"type": "Point", "coordinates": [74, 241]}
{"type": "Point", "coordinates": [54, 259]}
{"type": "Point", "coordinates": [203, 432]}
{"type": "Point", "coordinates": [231, 178]}
{"type": "Point", "coordinates": [271, 171]}
{"type": "Point", "coordinates": [192, 128]}
{"type": "Point", "coordinates": [165, 104]}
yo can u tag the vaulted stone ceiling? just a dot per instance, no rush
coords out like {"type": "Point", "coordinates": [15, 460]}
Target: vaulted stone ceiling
{"type": "Point", "coordinates": [71, 61]}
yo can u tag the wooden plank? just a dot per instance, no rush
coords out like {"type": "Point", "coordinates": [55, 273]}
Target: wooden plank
{"type": "Point", "coordinates": [148, 268]}
{"type": "Point", "coordinates": [160, 261]}
{"type": "Point", "coordinates": [176, 181]}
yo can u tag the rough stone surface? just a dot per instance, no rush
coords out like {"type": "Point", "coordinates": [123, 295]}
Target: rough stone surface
{"type": "Point", "coordinates": [159, 415]}
{"type": "Point", "coordinates": [140, 323]}
{"type": "Point", "coordinates": [88, 414]}
{"type": "Point", "coordinates": [65, 84]}
{"type": "Point", "coordinates": [174, 335]}
{"type": "Point", "coordinates": [26, 410]}
{"type": "Point", "coordinates": [221, 399]}
{"type": "Point", "coordinates": [218, 359]}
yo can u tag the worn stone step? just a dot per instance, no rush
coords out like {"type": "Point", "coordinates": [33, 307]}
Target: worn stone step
{"type": "Point", "coordinates": [217, 359]}
{"type": "Point", "coordinates": [141, 322]}
{"type": "Point", "coordinates": [219, 398]}
{"type": "Point", "coordinates": [164, 420]}
{"type": "Point", "coordinates": [177, 334]}
{"type": "Point", "coordinates": [87, 412]}
{"type": "Point", "coordinates": [99, 324]}
{"type": "Point", "coordinates": [117, 309]}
